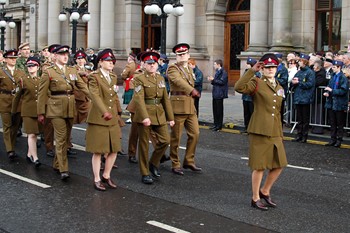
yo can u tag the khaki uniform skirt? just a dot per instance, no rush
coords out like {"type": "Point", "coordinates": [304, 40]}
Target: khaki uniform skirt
{"type": "Point", "coordinates": [102, 139]}
{"type": "Point", "coordinates": [31, 125]}
{"type": "Point", "coordinates": [266, 152]}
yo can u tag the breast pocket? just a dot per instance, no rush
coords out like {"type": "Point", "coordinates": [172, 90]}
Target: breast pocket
{"type": "Point", "coordinates": [54, 108]}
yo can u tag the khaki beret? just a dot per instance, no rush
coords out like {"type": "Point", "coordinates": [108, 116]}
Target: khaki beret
{"type": "Point", "coordinates": [25, 44]}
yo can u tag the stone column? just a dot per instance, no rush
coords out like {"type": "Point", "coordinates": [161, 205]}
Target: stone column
{"type": "Point", "coordinates": [133, 21]}
{"type": "Point", "coordinates": [186, 23]}
{"type": "Point", "coordinates": [171, 37]}
{"type": "Point", "coordinates": [107, 22]}
{"type": "Point", "coordinates": [282, 26]}
{"type": "Point", "coordinates": [53, 24]}
{"type": "Point", "coordinates": [258, 39]}
{"type": "Point", "coordinates": [94, 24]}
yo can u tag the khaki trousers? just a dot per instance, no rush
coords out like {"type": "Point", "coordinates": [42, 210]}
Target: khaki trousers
{"type": "Point", "coordinates": [190, 122]}
{"type": "Point", "coordinates": [62, 128]}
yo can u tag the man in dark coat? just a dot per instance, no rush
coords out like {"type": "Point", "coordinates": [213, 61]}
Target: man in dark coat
{"type": "Point", "coordinates": [220, 91]}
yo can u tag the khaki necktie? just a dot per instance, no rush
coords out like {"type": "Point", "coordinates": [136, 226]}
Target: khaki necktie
{"type": "Point", "coordinates": [108, 79]}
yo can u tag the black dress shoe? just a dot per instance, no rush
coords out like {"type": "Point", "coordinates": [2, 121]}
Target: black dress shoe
{"type": "Point", "coordinates": [267, 199]}
{"type": "Point", "coordinates": [147, 180]}
{"type": "Point", "coordinates": [297, 139]}
{"type": "Point", "coordinates": [99, 186]}
{"type": "Point", "coordinates": [132, 159]}
{"type": "Point", "coordinates": [216, 129]}
{"type": "Point", "coordinates": [192, 167]}
{"type": "Point", "coordinates": [109, 182]}
{"type": "Point", "coordinates": [212, 127]}
{"type": "Point", "coordinates": [303, 140]}
{"type": "Point", "coordinates": [11, 155]}
{"type": "Point", "coordinates": [56, 170]}
{"type": "Point", "coordinates": [121, 153]}
{"type": "Point", "coordinates": [50, 153]}
{"type": "Point", "coordinates": [331, 143]}
{"type": "Point", "coordinates": [70, 151]}
{"type": "Point", "coordinates": [164, 158]}
{"type": "Point", "coordinates": [259, 205]}
{"type": "Point", "coordinates": [38, 144]}
{"type": "Point", "coordinates": [337, 144]}
{"type": "Point", "coordinates": [154, 170]}
{"type": "Point", "coordinates": [177, 171]}
{"type": "Point", "coordinates": [64, 176]}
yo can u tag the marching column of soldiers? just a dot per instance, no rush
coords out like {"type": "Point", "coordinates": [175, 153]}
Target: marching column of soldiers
{"type": "Point", "coordinates": [50, 96]}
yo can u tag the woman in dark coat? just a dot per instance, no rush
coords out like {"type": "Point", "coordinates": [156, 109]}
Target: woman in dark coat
{"type": "Point", "coordinates": [337, 103]}
{"type": "Point", "coordinates": [266, 149]}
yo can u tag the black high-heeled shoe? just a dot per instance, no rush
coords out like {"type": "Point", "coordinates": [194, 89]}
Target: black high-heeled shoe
{"type": "Point", "coordinates": [29, 159]}
{"type": "Point", "coordinates": [37, 163]}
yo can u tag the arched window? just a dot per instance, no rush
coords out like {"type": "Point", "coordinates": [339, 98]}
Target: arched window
{"type": "Point", "coordinates": [239, 5]}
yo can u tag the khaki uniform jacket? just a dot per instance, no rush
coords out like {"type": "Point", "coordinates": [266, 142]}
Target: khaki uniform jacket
{"type": "Point", "coordinates": [151, 99]}
{"type": "Point", "coordinates": [28, 92]}
{"type": "Point", "coordinates": [104, 98]}
{"type": "Point", "coordinates": [266, 118]}
{"type": "Point", "coordinates": [128, 72]}
{"type": "Point", "coordinates": [54, 80]}
{"type": "Point", "coordinates": [79, 95]}
{"type": "Point", "coordinates": [181, 79]}
{"type": "Point", "coordinates": [9, 84]}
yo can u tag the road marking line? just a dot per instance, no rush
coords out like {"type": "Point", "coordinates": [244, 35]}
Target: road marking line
{"type": "Point", "coordinates": [291, 166]}
{"type": "Point", "coordinates": [41, 185]}
{"type": "Point", "coordinates": [166, 227]}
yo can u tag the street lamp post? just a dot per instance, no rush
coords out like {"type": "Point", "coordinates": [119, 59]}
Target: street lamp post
{"type": "Point", "coordinates": [75, 13]}
{"type": "Point", "coordinates": [163, 8]}
{"type": "Point", "coordinates": [3, 23]}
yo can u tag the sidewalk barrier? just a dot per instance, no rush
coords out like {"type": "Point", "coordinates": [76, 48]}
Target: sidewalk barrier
{"type": "Point", "coordinates": [318, 113]}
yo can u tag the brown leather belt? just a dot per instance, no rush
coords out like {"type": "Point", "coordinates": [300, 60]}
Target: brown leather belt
{"type": "Point", "coordinates": [152, 101]}
{"type": "Point", "coordinates": [7, 92]}
{"type": "Point", "coordinates": [61, 92]}
{"type": "Point", "coordinates": [178, 93]}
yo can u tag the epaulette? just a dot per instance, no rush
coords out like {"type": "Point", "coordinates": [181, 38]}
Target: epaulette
{"type": "Point", "coordinates": [139, 71]}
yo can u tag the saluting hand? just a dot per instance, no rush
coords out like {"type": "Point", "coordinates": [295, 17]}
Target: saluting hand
{"type": "Point", "coordinates": [146, 122]}
{"type": "Point", "coordinates": [107, 116]}
{"type": "Point", "coordinates": [257, 67]}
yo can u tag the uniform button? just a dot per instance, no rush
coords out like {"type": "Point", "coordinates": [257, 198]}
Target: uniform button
{"type": "Point", "coordinates": [273, 114]}
{"type": "Point", "coordinates": [111, 94]}
{"type": "Point", "coordinates": [274, 94]}
{"type": "Point", "coordinates": [274, 101]}
{"type": "Point", "coordinates": [36, 101]}
{"type": "Point", "coordinates": [110, 89]}
{"type": "Point", "coordinates": [273, 107]}
{"type": "Point", "coordinates": [110, 100]}
{"type": "Point", "coordinates": [110, 107]}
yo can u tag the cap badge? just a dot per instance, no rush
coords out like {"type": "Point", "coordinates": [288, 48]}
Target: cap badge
{"type": "Point", "coordinates": [269, 60]}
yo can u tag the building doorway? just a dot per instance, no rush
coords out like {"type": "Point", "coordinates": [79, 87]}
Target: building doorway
{"type": "Point", "coordinates": [236, 36]}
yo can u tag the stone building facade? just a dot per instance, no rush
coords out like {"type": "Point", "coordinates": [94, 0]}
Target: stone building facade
{"type": "Point", "coordinates": [230, 30]}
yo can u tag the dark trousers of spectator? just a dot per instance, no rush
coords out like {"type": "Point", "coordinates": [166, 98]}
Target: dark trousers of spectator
{"type": "Point", "coordinates": [218, 112]}
{"type": "Point", "coordinates": [303, 119]}
{"type": "Point", "coordinates": [248, 108]}
{"type": "Point", "coordinates": [196, 105]}
{"type": "Point", "coordinates": [337, 121]}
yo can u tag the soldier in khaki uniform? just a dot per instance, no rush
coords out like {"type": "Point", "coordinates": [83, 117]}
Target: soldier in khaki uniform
{"type": "Point", "coordinates": [24, 52]}
{"type": "Point", "coordinates": [9, 78]}
{"type": "Point", "coordinates": [127, 76]}
{"type": "Point", "coordinates": [103, 131]}
{"type": "Point", "coordinates": [182, 79]}
{"type": "Point", "coordinates": [48, 127]}
{"type": "Point", "coordinates": [266, 149]}
{"type": "Point", "coordinates": [82, 102]}
{"type": "Point", "coordinates": [28, 92]}
{"type": "Point", "coordinates": [56, 101]}
{"type": "Point", "coordinates": [152, 113]}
